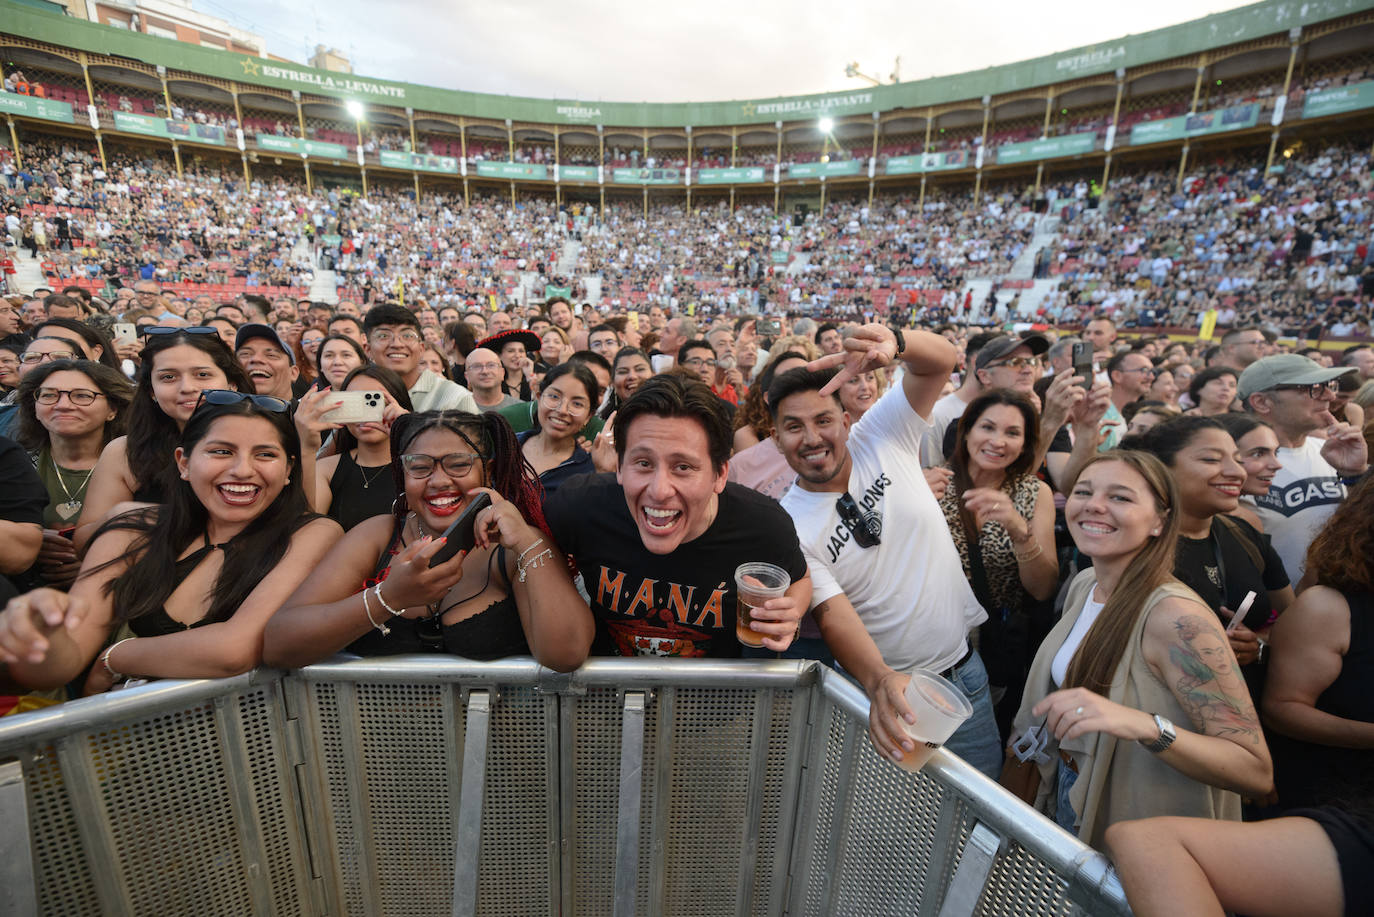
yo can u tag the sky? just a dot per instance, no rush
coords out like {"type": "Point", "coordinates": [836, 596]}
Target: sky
{"type": "Point", "coordinates": [617, 51]}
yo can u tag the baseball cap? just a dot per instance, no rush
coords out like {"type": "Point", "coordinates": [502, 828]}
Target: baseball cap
{"type": "Point", "coordinates": [253, 330]}
{"type": "Point", "coordinates": [998, 348]}
{"type": "Point", "coordinates": [1286, 369]}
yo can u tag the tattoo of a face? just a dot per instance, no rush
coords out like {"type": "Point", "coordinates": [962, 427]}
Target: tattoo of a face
{"type": "Point", "coordinates": [1201, 654]}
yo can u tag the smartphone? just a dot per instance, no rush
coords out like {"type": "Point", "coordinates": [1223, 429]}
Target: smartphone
{"type": "Point", "coordinates": [770, 327]}
{"type": "Point", "coordinates": [461, 534]}
{"type": "Point", "coordinates": [126, 331]}
{"type": "Point", "coordinates": [357, 407]}
{"type": "Point", "coordinates": [1241, 612]}
{"type": "Point", "coordinates": [1083, 364]}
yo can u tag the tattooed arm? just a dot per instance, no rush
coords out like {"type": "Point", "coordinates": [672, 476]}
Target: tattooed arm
{"type": "Point", "coordinates": [1187, 649]}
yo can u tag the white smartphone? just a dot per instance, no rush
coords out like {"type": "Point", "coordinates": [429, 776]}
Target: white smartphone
{"type": "Point", "coordinates": [357, 407]}
{"type": "Point", "coordinates": [1241, 612]}
{"type": "Point", "coordinates": [125, 331]}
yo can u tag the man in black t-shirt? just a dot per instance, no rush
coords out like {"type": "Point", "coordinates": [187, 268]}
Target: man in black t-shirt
{"type": "Point", "coordinates": [22, 499]}
{"type": "Point", "coordinates": [658, 542]}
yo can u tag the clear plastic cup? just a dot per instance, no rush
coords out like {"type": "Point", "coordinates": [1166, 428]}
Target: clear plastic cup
{"type": "Point", "coordinates": [940, 709]}
{"type": "Point", "coordinates": [756, 583]}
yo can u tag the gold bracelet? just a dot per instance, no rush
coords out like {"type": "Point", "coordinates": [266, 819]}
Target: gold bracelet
{"type": "Point", "coordinates": [1029, 555]}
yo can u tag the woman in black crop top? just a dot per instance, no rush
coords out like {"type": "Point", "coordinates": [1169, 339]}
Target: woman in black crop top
{"type": "Point", "coordinates": [194, 580]}
{"type": "Point", "coordinates": [355, 483]}
{"type": "Point", "coordinates": [375, 594]}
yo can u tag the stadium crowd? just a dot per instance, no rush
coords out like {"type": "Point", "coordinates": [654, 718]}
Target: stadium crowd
{"type": "Point", "coordinates": [1069, 525]}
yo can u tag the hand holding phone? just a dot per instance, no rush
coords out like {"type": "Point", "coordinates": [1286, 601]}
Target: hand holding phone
{"type": "Point", "coordinates": [1083, 364]}
{"type": "Point", "coordinates": [1238, 616]}
{"type": "Point", "coordinates": [461, 535]}
{"type": "Point", "coordinates": [357, 407]}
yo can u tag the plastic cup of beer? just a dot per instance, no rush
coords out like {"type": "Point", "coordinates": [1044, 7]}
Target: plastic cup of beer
{"type": "Point", "coordinates": [756, 583]}
{"type": "Point", "coordinates": [940, 709]}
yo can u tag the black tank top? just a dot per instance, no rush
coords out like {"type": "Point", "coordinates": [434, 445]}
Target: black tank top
{"type": "Point", "coordinates": [359, 493]}
{"type": "Point", "coordinates": [159, 623]}
{"type": "Point", "coordinates": [1309, 774]}
{"type": "Point", "coordinates": [494, 632]}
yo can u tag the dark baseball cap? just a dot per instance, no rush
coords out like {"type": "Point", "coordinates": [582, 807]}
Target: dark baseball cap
{"type": "Point", "coordinates": [253, 330]}
{"type": "Point", "coordinates": [999, 347]}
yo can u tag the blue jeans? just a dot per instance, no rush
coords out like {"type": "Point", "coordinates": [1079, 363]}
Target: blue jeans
{"type": "Point", "coordinates": [1064, 815]}
{"type": "Point", "coordinates": [977, 741]}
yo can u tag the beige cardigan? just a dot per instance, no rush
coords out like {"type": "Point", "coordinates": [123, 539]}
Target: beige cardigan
{"type": "Point", "coordinates": [1118, 780]}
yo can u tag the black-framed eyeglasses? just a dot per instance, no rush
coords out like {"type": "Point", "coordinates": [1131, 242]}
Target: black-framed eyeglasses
{"type": "Point", "coordinates": [1313, 390]}
{"type": "Point", "coordinates": [698, 362]}
{"type": "Point", "coordinates": [858, 525]}
{"type": "Point", "coordinates": [169, 329]}
{"type": "Point", "coordinates": [78, 396]}
{"type": "Point", "coordinates": [221, 396]}
{"type": "Point", "coordinates": [456, 464]}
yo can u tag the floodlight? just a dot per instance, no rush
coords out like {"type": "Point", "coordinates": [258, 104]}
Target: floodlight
{"type": "Point", "coordinates": [826, 124]}
{"type": "Point", "coordinates": [355, 109]}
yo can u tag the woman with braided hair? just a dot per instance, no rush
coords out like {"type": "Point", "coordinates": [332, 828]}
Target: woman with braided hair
{"type": "Point", "coordinates": [376, 593]}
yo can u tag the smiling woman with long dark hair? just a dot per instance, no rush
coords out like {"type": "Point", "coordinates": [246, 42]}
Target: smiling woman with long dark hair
{"type": "Point", "coordinates": [184, 588]}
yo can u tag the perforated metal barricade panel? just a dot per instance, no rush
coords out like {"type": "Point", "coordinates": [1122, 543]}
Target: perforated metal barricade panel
{"type": "Point", "coordinates": [63, 873]}
{"type": "Point", "coordinates": [1020, 883]}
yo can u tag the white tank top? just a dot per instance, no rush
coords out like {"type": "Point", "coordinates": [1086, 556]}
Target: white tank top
{"type": "Point", "coordinates": [1059, 668]}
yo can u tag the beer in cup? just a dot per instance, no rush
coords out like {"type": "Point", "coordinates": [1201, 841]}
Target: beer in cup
{"type": "Point", "coordinates": [756, 583]}
{"type": "Point", "coordinates": [940, 709]}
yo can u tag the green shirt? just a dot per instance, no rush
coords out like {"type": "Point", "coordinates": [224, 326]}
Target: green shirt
{"type": "Point", "coordinates": [521, 418]}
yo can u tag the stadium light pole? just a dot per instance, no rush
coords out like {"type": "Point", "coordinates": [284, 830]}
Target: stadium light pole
{"type": "Point", "coordinates": [825, 125]}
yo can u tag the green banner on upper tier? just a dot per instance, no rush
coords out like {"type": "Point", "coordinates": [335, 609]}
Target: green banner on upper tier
{"type": "Point", "coordinates": [1048, 148]}
{"type": "Point", "coordinates": [167, 127]}
{"type": "Point", "coordinates": [396, 159]}
{"type": "Point", "coordinates": [1237, 117]}
{"type": "Point", "coordinates": [276, 144]}
{"type": "Point", "coordinates": [927, 162]}
{"type": "Point", "coordinates": [577, 173]}
{"type": "Point", "coordinates": [1338, 100]}
{"type": "Point", "coordinates": [512, 170]}
{"type": "Point", "coordinates": [729, 176]}
{"type": "Point", "coordinates": [817, 169]}
{"type": "Point", "coordinates": [647, 177]}
{"type": "Point", "coordinates": [31, 107]}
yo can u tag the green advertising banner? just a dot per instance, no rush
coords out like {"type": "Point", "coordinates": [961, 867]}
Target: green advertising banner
{"type": "Point", "coordinates": [1339, 100]}
{"type": "Point", "coordinates": [31, 107]}
{"type": "Point", "coordinates": [817, 169]}
{"type": "Point", "coordinates": [927, 162]}
{"type": "Point", "coordinates": [729, 176]}
{"type": "Point", "coordinates": [1217, 121]}
{"type": "Point", "coordinates": [1048, 148]}
{"type": "Point", "coordinates": [275, 144]}
{"type": "Point", "coordinates": [577, 173]}
{"type": "Point", "coordinates": [551, 291]}
{"type": "Point", "coordinates": [647, 177]}
{"type": "Point", "coordinates": [526, 170]}
{"type": "Point", "coordinates": [168, 128]}
{"type": "Point", "coordinates": [396, 159]}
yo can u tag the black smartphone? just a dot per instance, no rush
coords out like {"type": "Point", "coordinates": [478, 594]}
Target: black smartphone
{"type": "Point", "coordinates": [770, 327]}
{"type": "Point", "coordinates": [461, 535]}
{"type": "Point", "coordinates": [1083, 363]}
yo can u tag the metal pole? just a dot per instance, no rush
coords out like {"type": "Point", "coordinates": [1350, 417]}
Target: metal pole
{"type": "Point", "coordinates": [176, 154]}
{"type": "Point", "coordinates": [14, 144]}
{"type": "Point", "coordinates": [1287, 83]}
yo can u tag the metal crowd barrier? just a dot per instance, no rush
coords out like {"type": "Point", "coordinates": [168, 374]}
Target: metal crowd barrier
{"type": "Point", "coordinates": [418, 786]}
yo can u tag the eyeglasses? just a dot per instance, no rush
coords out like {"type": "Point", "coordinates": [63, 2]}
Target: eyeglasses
{"type": "Point", "coordinates": [409, 336]}
{"type": "Point", "coordinates": [1149, 371]}
{"type": "Point", "coordinates": [555, 399]}
{"type": "Point", "coordinates": [78, 396]}
{"type": "Point", "coordinates": [1019, 363]}
{"type": "Point", "coordinates": [222, 396]}
{"type": "Point", "coordinates": [168, 329]}
{"type": "Point", "coordinates": [864, 531]}
{"type": "Point", "coordinates": [698, 362]}
{"type": "Point", "coordinates": [31, 358]}
{"type": "Point", "coordinates": [456, 464]}
{"type": "Point", "coordinates": [1315, 390]}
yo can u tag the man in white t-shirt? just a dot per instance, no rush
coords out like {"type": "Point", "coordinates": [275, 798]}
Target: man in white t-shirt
{"type": "Point", "coordinates": [889, 590]}
{"type": "Point", "coordinates": [1320, 457]}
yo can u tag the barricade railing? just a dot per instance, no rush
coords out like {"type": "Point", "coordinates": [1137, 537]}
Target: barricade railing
{"type": "Point", "coordinates": [420, 785]}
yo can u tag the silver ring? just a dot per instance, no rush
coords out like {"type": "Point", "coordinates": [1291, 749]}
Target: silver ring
{"type": "Point", "coordinates": [1078, 712]}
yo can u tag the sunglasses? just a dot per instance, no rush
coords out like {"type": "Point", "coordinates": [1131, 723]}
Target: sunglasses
{"type": "Point", "coordinates": [150, 330]}
{"type": "Point", "coordinates": [222, 396]}
{"type": "Point", "coordinates": [853, 519]}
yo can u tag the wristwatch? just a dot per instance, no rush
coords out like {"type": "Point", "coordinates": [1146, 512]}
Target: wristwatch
{"type": "Point", "coordinates": [1166, 735]}
{"type": "Point", "coordinates": [898, 333]}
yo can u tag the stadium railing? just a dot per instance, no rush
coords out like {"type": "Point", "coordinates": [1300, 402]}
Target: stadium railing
{"type": "Point", "coordinates": [441, 786]}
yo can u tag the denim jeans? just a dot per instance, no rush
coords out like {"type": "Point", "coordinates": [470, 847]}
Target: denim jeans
{"type": "Point", "coordinates": [977, 741]}
{"type": "Point", "coordinates": [1064, 815]}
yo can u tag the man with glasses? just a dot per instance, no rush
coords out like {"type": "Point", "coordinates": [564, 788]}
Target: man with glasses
{"type": "Point", "coordinates": [1240, 347]}
{"type": "Point", "coordinates": [1320, 457]}
{"type": "Point", "coordinates": [603, 340]}
{"type": "Point", "coordinates": [889, 589]}
{"type": "Point", "coordinates": [484, 375]}
{"type": "Point", "coordinates": [394, 341]}
{"type": "Point", "coordinates": [1131, 374]}
{"type": "Point", "coordinates": [700, 358]}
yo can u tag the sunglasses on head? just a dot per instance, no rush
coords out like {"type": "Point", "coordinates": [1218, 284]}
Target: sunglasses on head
{"type": "Point", "coordinates": [149, 330]}
{"type": "Point", "coordinates": [853, 519]}
{"type": "Point", "coordinates": [225, 396]}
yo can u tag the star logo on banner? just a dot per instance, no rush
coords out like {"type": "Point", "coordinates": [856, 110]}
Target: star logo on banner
{"type": "Point", "coordinates": [750, 109]}
{"type": "Point", "coordinates": [250, 67]}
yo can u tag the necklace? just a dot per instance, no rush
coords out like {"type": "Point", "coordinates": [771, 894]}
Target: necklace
{"type": "Point", "coordinates": [72, 507]}
{"type": "Point", "coordinates": [367, 482]}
